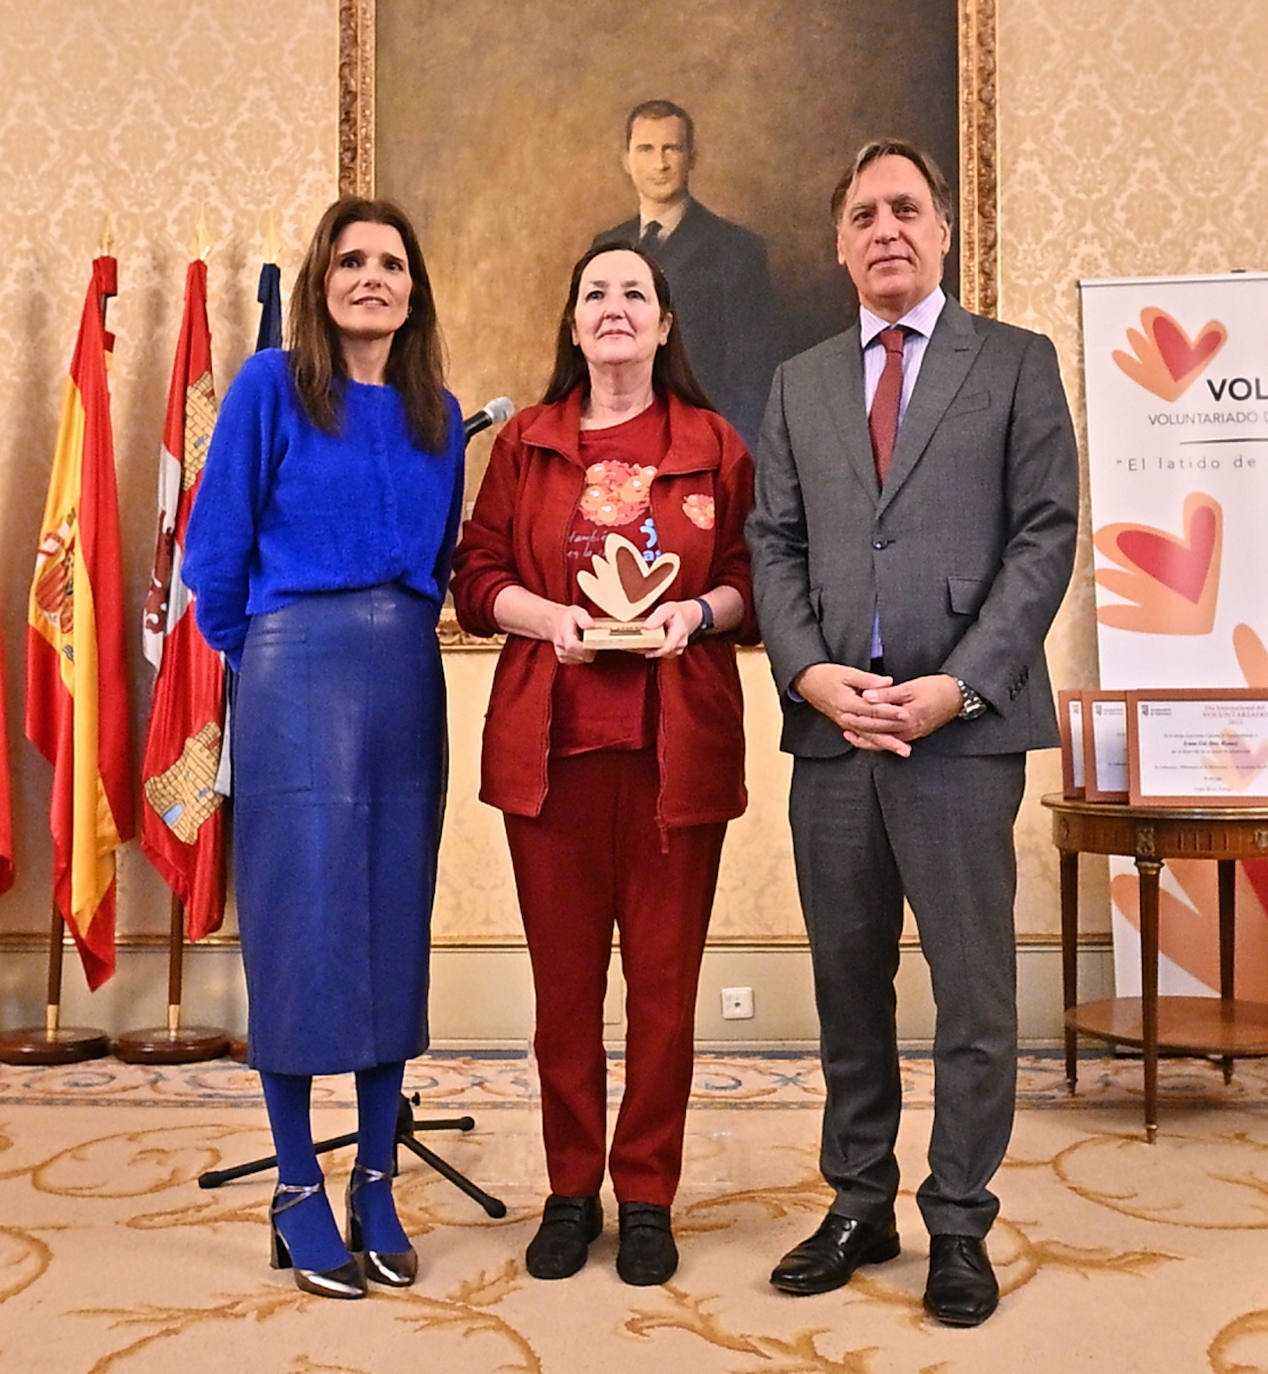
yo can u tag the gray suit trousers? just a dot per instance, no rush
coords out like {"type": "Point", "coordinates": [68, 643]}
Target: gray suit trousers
{"type": "Point", "coordinates": [868, 829]}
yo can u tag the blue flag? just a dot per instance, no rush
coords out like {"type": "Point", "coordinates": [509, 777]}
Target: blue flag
{"type": "Point", "coordinates": [269, 294]}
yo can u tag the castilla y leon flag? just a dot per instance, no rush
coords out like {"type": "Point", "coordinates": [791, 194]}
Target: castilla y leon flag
{"type": "Point", "coordinates": [76, 674]}
{"type": "Point", "coordinates": [182, 818]}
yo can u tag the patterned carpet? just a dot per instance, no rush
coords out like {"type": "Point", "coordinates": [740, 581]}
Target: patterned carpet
{"type": "Point", "coordinates": [1113, 1255]}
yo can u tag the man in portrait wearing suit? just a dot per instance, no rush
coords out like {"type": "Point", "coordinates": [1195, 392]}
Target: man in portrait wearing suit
{"type": "Point", "coordinates": [716, 270]}
{"type": "Point", "coordinates": [912, 538]}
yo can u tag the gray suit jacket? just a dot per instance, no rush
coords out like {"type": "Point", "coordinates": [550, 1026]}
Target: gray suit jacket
{"type": "Point", "coordinates": [967, 551]}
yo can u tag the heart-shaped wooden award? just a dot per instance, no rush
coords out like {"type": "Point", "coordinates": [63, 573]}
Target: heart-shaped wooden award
{"type": "Point", "coordinates": [625, 586]}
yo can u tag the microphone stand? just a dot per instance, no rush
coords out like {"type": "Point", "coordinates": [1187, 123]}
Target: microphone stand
{"type": "Point", "coordinates": [406, 1126]}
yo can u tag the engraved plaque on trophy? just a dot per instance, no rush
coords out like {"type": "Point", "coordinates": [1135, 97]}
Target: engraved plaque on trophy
{"type": "Point", "coordinates": [625, 586]}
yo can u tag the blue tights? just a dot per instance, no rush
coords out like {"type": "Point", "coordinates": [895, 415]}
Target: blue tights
{"type": "Point", "coordinates": [309, 1228]}
{"type": "Point", "coordinates": [378, 1101]}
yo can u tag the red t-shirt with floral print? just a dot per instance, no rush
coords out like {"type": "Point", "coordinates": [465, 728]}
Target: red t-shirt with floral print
{"type": "Point", "coordinates": [610, 703]}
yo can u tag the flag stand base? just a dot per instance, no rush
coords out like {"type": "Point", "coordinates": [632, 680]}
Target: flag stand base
{"type": "Point", "coordinates": [158, 1045]}
{"type": "Point", "coordinates": [64, 1045]}
{"type": "Point", "coordinates": [172, 1043]}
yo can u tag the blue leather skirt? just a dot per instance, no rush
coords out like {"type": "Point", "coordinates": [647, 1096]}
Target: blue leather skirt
{"type": "Point", "coordinates": [338, 758]}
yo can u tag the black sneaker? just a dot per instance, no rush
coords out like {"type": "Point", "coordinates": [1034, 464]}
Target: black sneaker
{"type": "Point", "coordinates": [647, 1252]}
{"type": "Point", "coordinates": [563, 1239]}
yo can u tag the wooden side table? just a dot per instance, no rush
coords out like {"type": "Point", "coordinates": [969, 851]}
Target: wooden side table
{"type": "Point", "coordinates": [1150, 835]}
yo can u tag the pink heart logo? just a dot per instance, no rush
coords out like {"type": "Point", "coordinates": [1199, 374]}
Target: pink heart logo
{"type": "Point", "coordinates": [1181, 564]}
{"type": "Point", "coordinates": [1180, 353]}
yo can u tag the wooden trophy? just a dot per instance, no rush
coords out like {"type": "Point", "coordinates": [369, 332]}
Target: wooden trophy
{"type": "Point", "coordinates": [625, 586]}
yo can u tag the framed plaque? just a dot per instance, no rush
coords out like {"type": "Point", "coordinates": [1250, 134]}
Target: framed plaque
{"type": "Point", "coordinates": [1105, 772]}
{"type": "Point", "coordinates": [1070, 718]}
{"type": "Point", "coordinates": [1198, 747]}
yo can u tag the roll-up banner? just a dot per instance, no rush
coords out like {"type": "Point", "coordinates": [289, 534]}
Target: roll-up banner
{"type": "Point", "coordinates": [1177, 412]}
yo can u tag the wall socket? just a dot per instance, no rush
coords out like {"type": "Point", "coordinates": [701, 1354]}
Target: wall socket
{"type": "Point", "coordinates": [737, 1004]}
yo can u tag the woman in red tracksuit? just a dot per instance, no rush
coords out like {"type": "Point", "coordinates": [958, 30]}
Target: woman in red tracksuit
{"type": "Point", "coordinates": [617, 772]}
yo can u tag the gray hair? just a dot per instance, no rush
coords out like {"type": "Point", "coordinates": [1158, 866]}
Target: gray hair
{"type": "Point", "coordinates": [939, 191]}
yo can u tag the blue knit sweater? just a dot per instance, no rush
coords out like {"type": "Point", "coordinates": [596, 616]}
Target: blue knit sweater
{"type": "Point", "coordinates": [285, 509]}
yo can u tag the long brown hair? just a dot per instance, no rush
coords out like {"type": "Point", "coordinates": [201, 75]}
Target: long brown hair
{"type": "Point", "coordinates": [671, 368]}
{"type": "Point", "coordinates": [415, 364]}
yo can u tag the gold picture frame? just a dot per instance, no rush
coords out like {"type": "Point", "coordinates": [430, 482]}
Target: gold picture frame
{"type": "Point", "coordinates": [362, 172]}
{"type": "Point", "coordinates": [979, 172]}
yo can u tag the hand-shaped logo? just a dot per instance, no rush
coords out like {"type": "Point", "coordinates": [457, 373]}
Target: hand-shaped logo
{"type": "Point", "coordinates": [1238, 764]}
{"type": "Point", "coordinates": [622, 583]}
{"type": "Point", "coordinates": [1187, 913]}
{"type": "Point", "coordinates": [1170, 585]}
{"type": "Point", "coordinates": [1252, 656]}
{"type": "Point", "coordinates": [1164, 359]}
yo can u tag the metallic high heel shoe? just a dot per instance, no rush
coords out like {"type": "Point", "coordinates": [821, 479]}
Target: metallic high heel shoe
{"type": "Point", "coordinates": [347, 1281]}
{"type": "Point", "coordinates": [397, 1268]}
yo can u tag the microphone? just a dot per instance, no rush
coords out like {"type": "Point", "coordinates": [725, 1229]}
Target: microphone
{"type": "Point", "coordinates": [499, 409]}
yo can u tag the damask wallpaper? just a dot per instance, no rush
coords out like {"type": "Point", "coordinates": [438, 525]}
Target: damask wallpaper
{"type": "Point", "coordinates": [131, 117]}
{"type": "Point", "coordinates": [1132, 140]}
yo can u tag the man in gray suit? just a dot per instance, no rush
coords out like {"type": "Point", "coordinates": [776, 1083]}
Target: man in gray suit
{"type": "Point", "coordinates": [912, 538]}
{"type": "Point", "coordinates": [716, 270]}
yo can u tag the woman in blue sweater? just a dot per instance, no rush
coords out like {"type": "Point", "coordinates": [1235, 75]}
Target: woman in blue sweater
{"type": "Point", "coordinates": [318, 551]}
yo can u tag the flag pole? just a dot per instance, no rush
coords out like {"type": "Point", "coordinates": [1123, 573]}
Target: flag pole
{"type": "Point", "coordinates": [173, 1043]}
{"type": "Point", "coordinates": [51, 1043]}
{"type": "Point", "coordinates": [53, 1000]}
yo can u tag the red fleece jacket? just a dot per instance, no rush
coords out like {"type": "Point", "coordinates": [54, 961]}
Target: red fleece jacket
{"type": "Point", "coordinates": [517, 535]}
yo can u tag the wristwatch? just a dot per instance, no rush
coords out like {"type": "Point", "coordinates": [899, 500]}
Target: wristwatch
{"type": "Point", "coordinates": [971, 704]}
{"type": "Point", "coordinates": [706, 620]}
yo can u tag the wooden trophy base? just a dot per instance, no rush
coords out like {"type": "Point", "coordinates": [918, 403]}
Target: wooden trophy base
{"type": "Point", "coordinates": [158, 1045]}
{"type": "Point", "coordinates": [623, 634]}
{"type": "Point", "coordinates": [65, 1045]}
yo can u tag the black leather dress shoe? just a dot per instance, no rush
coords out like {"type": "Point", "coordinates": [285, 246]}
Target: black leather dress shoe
{"type": "Point", "coordinates": [647, 1253]}
{"type": "Point", "coordinates": [962, 1290]}
{"type": "Point", "coordinates": [827, 1259]}
{"type": "Point", "coordinates": [563, 1239]}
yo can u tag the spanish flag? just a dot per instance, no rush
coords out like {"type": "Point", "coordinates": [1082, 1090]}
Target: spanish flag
{"type": "Point", "coordinates": [182, 816]}
{"type": "Point", "coordinates": [76, 676]}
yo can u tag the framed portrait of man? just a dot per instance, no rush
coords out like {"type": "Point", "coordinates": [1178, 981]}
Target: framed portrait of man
{"type": "Point", "coordinates": [511, 134]}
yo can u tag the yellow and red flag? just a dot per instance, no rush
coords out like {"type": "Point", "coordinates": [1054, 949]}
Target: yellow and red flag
{"type": "Point", "coordinates": [6, 815]}
{"type": "Point", "coordinates": [76, 671]}
{"type": "Point", "coordinates": [182, 818]}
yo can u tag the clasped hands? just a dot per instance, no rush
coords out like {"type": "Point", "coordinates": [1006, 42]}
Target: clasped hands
{"type": "Point", "coordinates": [875, 712]}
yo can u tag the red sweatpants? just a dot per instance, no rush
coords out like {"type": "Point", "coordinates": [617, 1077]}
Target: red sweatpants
{"type": "Point", "coordinates": [594, 857]}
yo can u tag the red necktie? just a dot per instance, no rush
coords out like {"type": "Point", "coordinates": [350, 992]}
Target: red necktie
{"type": "Point", "coordinates": [882, 420]}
